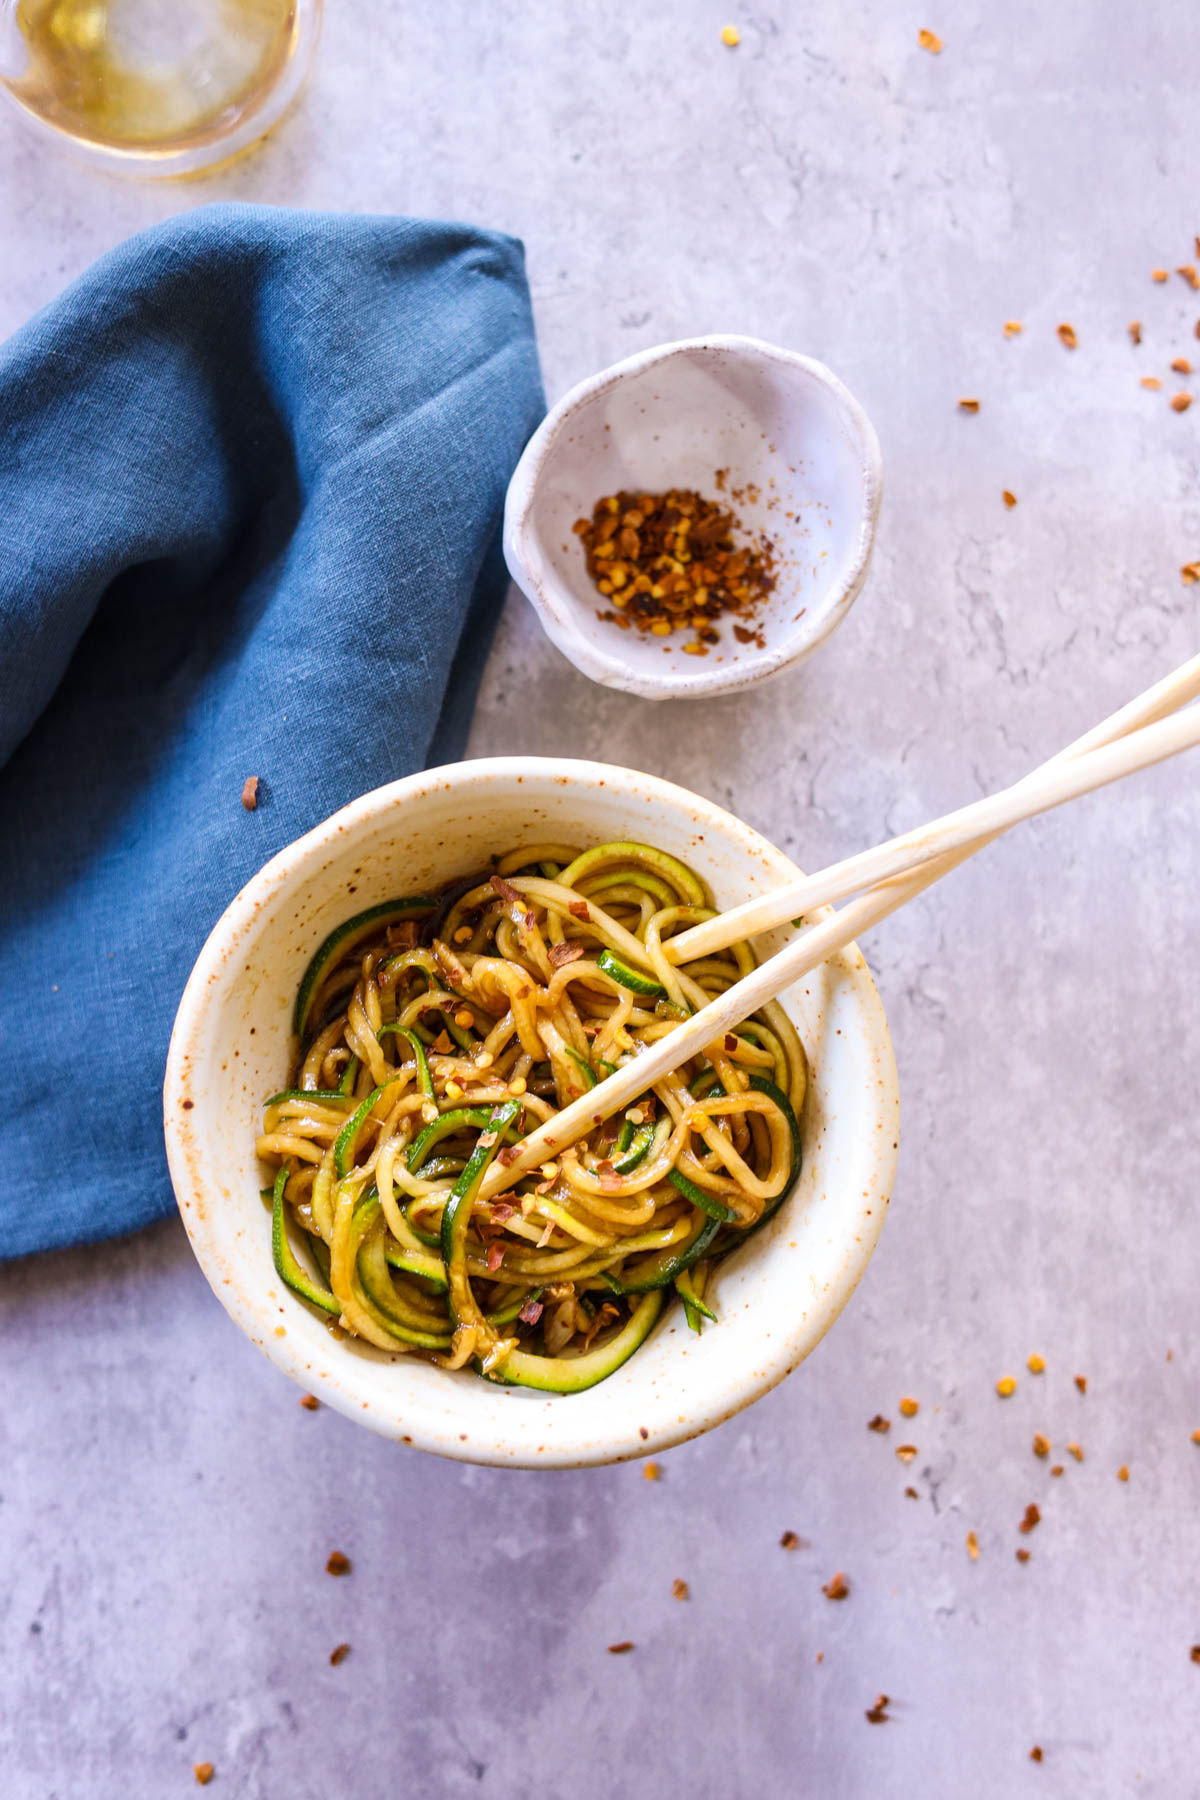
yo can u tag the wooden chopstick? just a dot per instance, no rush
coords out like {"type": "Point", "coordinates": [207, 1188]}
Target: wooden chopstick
{"type": "Point", "coordinates": [1146, 731]}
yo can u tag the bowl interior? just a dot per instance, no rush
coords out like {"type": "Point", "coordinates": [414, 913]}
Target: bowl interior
{"type": "Point", "coordinates": [789, 444]}
{"type": "Point", "coordinates": [775, 1297]}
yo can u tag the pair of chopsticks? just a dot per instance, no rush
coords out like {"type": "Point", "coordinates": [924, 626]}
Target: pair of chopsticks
{"type": "Point", "coordinates": [1149, 730]}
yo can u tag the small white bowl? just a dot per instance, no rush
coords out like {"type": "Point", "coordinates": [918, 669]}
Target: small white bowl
{"type": "Point", "coordinates": [776, 1296]}
{"type": "Point", "coordinates": [801, 456]}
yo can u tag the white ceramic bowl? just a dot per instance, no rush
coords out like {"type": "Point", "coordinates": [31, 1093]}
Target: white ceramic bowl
{"type": "Point", "coordinates": [776, 1296]}
{"type": "Point", "coordinates": [800, 452]}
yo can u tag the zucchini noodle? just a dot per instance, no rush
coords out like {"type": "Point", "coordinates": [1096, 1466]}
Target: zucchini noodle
{"type": "Point", "coordinates": [435, 1031]}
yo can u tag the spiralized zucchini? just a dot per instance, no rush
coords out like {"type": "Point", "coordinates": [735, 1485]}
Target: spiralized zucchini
{"type": "Point", "coordinates": [436, 1031]}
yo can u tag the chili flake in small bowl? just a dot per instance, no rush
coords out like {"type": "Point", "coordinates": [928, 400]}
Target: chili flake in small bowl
{"type": "Point", "coordinates": [697, 517]}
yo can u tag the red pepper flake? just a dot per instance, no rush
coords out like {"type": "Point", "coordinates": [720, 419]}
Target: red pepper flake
{"type": "Point", "coordinates": [680, 1590]}
{"type": "Point", "coordinates": [791, 1540]}
{"type": "Point", "coordinates": [203, 1772]}
{"type": "Point", "coordinates": [502, 1212]}
{"type": "Point", "coordinates": [1035, 1755]}
{"type": "Point", "coordinates": [1196, 1437]}
{"type": "Point", "coordinates": [339, 1655]}
{"type": "Point", "coordinates": [608, 1175]}
{"type": "Point", "coordinates": [1012, 328]}
{"type": "Point", "coordinates": [1123, 1472]}
{"type": "Point", "coordinates": [309, 1402]}
{"type": "Point", "coordinates": [929, 40]}
{"type": "Point", "coordinates": [1135, 330]}
{"type": "Point", "coordinates": [621, 1649]}
{"type": "Point", "coordinates": [1076, 1451]}
{"type": "Point", "coordinates": [906, 1452]}
{"type": "Point", "coordinates": [1009, 498]}
{"type": "Point", "coordinates": [911, 1493]}
{"type": "Point", "coordinates": [531, 1312]}
{"type": "Point", "coordinates": [1066, 335]}
{"type": "Point", "coordinates": [650, 1471]}
{"type": "Point", "coordinates": [495, 1257]}
{"type": "Point", "coordinates": [1159, 275]}
{"type": "Point", "coordinates": [968, 406]}
{"type": "Point", "coordinates": [1195, 1653]}
{"type": "Point", "coordinates": [1041, 1445]}
{"type": "Point", "coordinates": [878, 1714]}
{"type": "Point", "coordinates": [506, 890]}
{"type": "Point", "coordinates": [1181, 365]}
{"type": "Point", "coordinates": [443, 1043]}
{"type": "Point", "coordinates": [250, 793]}
{"type": "Point", "coordinates": [1032, 1518]}
{"type": "Point", "coordinates": [1188, 271]}
{"type": "Point", "coordinates": [507, 1157]}
{"type": "Point", "coordinates": [338, 1564]}
{"type": "Point", "coordinates": [910, 1408]}
{"type": "Point", "coordinates": [1152, 382]}
{"type": "Point", "coordinates": [731, 1042]}
{"type": "Point", "coordinates": [837, 1587]}
{"type": "Point", "coordinates": [1022, 1556]}
{"type": "Point", "coordinates": [486, 1139]}
{"type": "Point", "coordinates": [562, 954]}
{"type": "Point", "coordinates": [1081, 1383]}
{"type": "Point", "coordinates": [579, 909]}
{"type": "Point", "coordinates": [879, 1423]}
{"type": "Point", "coordinates": [1190, 573]}
{"type": "Point", "coordinates": [1180, 402]}
{"type": "Point", "coordinates": [972, 1546]}
{"type": "Point", "coordinates": [1057, 1469]}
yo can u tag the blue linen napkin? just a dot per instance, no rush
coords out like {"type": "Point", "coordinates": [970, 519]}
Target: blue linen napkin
{"type": "Point", "coordinates": [252, 468]}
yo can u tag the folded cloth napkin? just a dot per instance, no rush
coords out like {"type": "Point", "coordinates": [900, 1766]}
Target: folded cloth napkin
{"type": "Point", "coordinates": [252, 467]}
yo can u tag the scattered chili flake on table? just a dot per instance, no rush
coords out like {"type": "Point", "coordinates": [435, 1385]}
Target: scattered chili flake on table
{"type": "Point", "coordinates": [791, 1540]}
{"type": "Point", "coordinates": [836, 1588]}
{"type": "Point", "coordinates": [1135, 330]}
{"type": "Point", "coordinates": [906, 1452]}
{"type": "Point", "coordinates": [1180, 402]}
{"type": "Point", "coordinates": [1067, 336]}
{"type": "Point", "coordinates": [338, 1564]}
{"type": "Point", "coordinates": [1152, 382]}
{"type": "Point", "coordinates": [910, 1408]}
{"type": "Point", "coordinates": [1081, 1383]}
{"type": "Point", "coordinates": [1187, 270]}
{"type": "Point", "coordinates": [879, 1423]}
{"type": "Point", "coordinates": [878, 1714]}
{"type": "Point", "coordinates": [1006, 1386]}
{"type": "Point", "coordinates": [1012, 328]}
{"type": "Point", "coordinates": [1182, 366]}
{"type": "Point", "coordinates": [732, 36]}
{"type": "Point", "coordinates": [971, 406]}
{"type": "Point", "coordinates": [1035, 1364]}
{"type": "Point", "coordinates": [250, 793]}
{"type": "Point", "coordinates": [1158, 274]}
{"type": "Point", "coordinates": [1041, 1445]}
{"type": "Point", "coordinates": [1076, 1451]}
{"type": "Point", "coordinates": [1009, 498]}
{"type": "Point", "coordinates": [1023, 1556]}
{"type": "Point", "coordinates": [1123, 1472]}
{"type": "Point", "coordinates": [1196, 1437]}
{"type": "Point", "coordinates": [309, 1402]}
{"type": "Point", "coordinates": [972, 1546]}
{"type": "Point", "coordinates": [1195, 1653]}
{"type": "Point", "coordinates": [203, 1773]}
{"type": "Point", "coordinates": [669, 561]}
{"type": "Point", "coordinates": [680, 1590]}
{"type": "Point", "coordinates": [911, 1493]}
{"type": "Point", "coordinates": [1032, 1518]}
{"type": "Point", "coordinates": [1035, 1755]}
{"type": "Point", "coordinates": [339, 1654]}
{"type": "Point", "coordinates": [929, 40]}
{"type": "Point", "coordinates": [650, 1471]}
{"type": "Point", "coordinates": [621, 1649]}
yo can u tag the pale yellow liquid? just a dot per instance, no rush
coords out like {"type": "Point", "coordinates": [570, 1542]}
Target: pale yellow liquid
{"type": "Point", "coordinates": [151, 75]}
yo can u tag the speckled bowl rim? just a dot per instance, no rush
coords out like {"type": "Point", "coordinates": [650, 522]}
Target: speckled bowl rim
{"type": "Point", "coordinates": [209, 1220]}
{"type": "Point", "coordinates": [555, 606]}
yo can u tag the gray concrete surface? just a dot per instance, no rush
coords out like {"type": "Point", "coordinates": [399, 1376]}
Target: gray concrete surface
{"type": "Point", "coordinates": [166, 1507]}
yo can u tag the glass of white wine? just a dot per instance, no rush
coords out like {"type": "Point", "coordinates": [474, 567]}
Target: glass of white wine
{"type": "Point", "coordinates": [156, 87]}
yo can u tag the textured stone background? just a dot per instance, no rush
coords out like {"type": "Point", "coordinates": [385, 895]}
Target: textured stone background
{"type": "Point", "coordinates": [167, 1507]}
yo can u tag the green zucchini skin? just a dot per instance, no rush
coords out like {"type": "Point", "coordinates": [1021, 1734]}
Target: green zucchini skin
{"type": "Point", "coordinates": [635, 1146]}
{"type": "Point", "coordinates": [321, 1096]}
{"type": "Point", "coordinates": [644, 985]}
{"type": "Point", "coordinates": [389, 912]}
{"type": "Point", "coordinates": [456, 1215]}
{"type": "Point", "coordinates": [716, 1209]}
{"type": "Point", "coordinates": [575, 1374]}
{"type": "Point", "coordinates": [460, 1119]}
{"type": "Point", "coordinates": [286, 1266]}
{"type": "Point", "coordinates": [660, 1269]}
